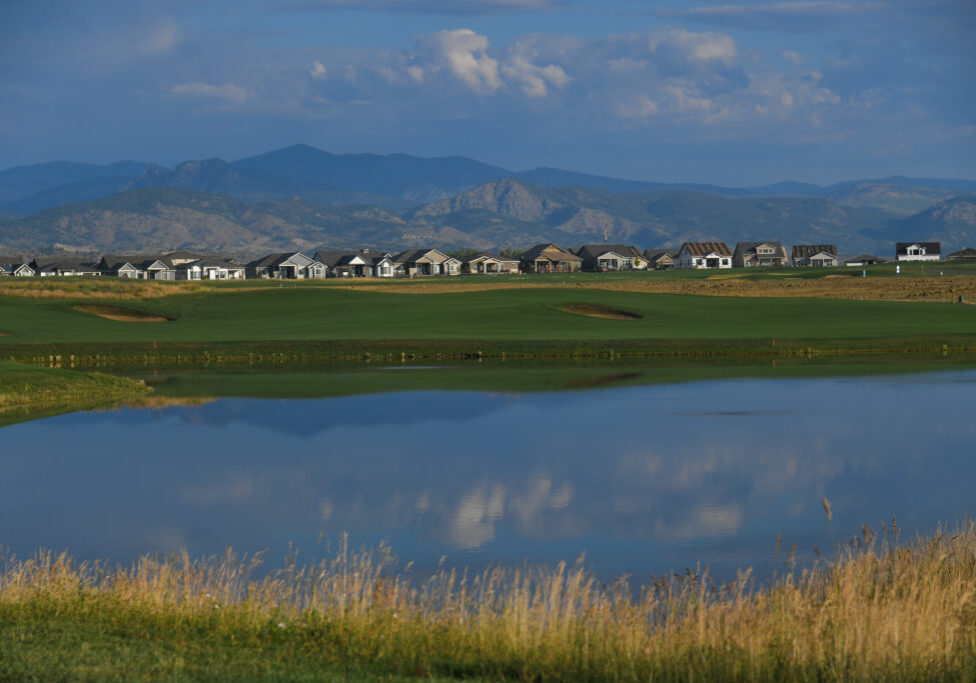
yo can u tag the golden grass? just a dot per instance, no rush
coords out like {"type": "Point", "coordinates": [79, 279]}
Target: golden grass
{"type": "Point", "coordinates": [879, 610]}
{"type": "Point", "coordinates": [831, 286]}
{"type": "Point", "coordinates": [126, 315]}
{"type": "Point", "coordinates": [943, 289]}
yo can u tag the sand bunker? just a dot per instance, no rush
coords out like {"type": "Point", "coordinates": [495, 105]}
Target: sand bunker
{"type": "Point", "coordinates": [126, 315]}
{"type": "Point", "coordinates": [598, 311]}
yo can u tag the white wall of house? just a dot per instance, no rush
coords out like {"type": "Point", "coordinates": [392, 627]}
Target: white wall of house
{"type": "Point", "coordinates": [916, 252]}
{"type": "Point", "coordinates": [710, 260]}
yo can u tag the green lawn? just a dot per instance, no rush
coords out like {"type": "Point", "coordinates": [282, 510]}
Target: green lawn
{"type": "Point", "coordinates": [324, 314]}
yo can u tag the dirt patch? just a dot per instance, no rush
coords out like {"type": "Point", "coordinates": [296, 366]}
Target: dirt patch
{"type": "Point", "coordinates": [598, 311]}
{"type": "Point", "coordinates": [126, 315]}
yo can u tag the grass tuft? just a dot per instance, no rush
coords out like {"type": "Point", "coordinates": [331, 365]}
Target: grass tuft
{"type": "Point", "coordinates": [880, 610]}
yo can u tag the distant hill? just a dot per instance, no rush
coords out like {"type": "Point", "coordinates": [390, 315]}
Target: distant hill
{"type": "Point", "coordinates": [951, 222]}
{"type": "Point", "coordinates": [505, 213]}
{"type": "Point", "coordinates": [894, 198]}
{"type": "Point", "coordinates": [22, 181]}
{"type": "Point", "coordinates": [405, 177]}
{"type": "Point", "coordinates": [396, 181]}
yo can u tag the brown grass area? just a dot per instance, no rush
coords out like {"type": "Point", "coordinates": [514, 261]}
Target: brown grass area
{"type": "Point", "coordinates": [598, 311]}
{"type": "Point", "coordinates": [98, 288]}
{"type": "Point", "coordinates": [125, 315]}
{"type": "Point", "coordinates": [947, 288]}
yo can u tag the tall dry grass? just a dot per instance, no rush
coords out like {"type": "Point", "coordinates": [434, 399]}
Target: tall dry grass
{"type": "Point", "coordinates": [879, 609]}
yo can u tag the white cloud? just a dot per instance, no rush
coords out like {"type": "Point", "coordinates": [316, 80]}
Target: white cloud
{"type": "Point", "coordinates": [229, 93]}
{"type": "Point", "coordinates": [535, 79]}
{"type": "Point", "coordinates": [462, 52]}
{"type": "Point", "coordinates": [318, 70]}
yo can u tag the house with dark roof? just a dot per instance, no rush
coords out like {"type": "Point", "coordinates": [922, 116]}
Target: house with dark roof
{"type": "Point", "coordinates": [424, 263]}
{"type": "Point", "coordinates": [209, 268]}
{"type": "Point", "coordinates": [15, 266]}
{"type": "Point", "coordinates": [816, 255]}
{"type": "Point", "coordinates": [175, 258]}
{"type": "Point", "coordinates": [605, 257]}
{"type": "Point", "coordinates": [548, 258]}
{"type": "Point", "coordinates": [967, 254]}
{"type": "Point", "coordinates": [704, 255]}
{"type": "Point", "coordinates": [293, 265]}
{"type": "Point", "coordinates": [918, 251]}
{"type": "Point", "coordinates": [351, 263]}
{"type": "Point", "coordinates": [759, 254]}
{"type": "Point", "coordinates": [864, 260]}
{"type": "Point", "coordinates": [65, 267]}
{"type": "Point", "coordinates": [660, 259]}
{"type": "Point", "coordinates": [157, 268]}
{"type": "Point", "coordinates": [484, 263]}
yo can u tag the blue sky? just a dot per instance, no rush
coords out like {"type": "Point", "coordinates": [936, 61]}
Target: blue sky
{"type": "Point", "coordinates": [736, 93]}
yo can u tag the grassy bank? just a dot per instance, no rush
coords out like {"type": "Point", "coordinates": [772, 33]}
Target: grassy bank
{"type": "Point", "coordinates": [332, 322]}
{"type": "Point", "coordinates": [879, 611]}
{"type": "Point", "coordinates": [25, 388]}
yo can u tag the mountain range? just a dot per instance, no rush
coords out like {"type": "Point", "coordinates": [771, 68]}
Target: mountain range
{"type": "Point", "coordinates": [303, 198]}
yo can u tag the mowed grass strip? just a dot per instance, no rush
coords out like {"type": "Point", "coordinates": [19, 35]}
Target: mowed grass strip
{"type": "Point", "coordinates": [323, 314]}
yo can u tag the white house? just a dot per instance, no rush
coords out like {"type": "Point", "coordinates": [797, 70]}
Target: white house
{"type": "Point", "coordinates": [918, 251]}
{"type": "Point", "coordinates": [704, 255]}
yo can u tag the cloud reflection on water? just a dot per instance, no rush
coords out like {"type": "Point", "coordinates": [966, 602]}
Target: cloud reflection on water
{"type": "Point", "coordinates": [666, 467]}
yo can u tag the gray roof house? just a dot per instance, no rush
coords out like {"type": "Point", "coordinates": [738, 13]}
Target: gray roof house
{"type": "Point", "coordinates": [548, 258]}
{"type": "Point", "coordinates": [759, 254]}
{"type": "Point", "coordinates": [602, 257]}
{"type": "Point", "coordinates": [817, 255]}
{"type": "Point", "coordinates": [65, 267]}
{"type": "Point", "coordinates": [292, 265]}
{"type": "Point", "coordinates": [660, 259]}
{"type": "Point", "coordinates": [424, 262]}
{"type": "Point", "coordinates": [15, 266]}
{"type": "Point", "coordinates": [489, 264]}
{"type": "Point", "coordinates": [348, 263]}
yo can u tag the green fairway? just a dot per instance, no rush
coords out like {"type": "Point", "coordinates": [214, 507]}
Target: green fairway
{"type": "Point", "coordinates": [330, 314]}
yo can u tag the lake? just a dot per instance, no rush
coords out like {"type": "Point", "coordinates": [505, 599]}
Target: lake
{"type": "Point", "coordinates": [642, 476]}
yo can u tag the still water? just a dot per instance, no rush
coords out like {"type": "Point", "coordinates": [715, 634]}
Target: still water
{"type": "Point", "coordinates": [642, 479]}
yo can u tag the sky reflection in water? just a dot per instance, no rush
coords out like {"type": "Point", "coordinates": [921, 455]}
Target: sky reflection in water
{"type": "Point", "coordinates": [643, 479]}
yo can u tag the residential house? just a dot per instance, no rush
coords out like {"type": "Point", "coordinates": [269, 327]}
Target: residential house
{"type": "Point", "coordinates": [485, 263]}
{"type": "Point", "coordinates": [704, 255]}
{"type": "Point", "coordinates": [158, 268]}
{"type": "Point", "coordinates": [918, 251]}
{"type": "Point", "coordinates": [759, 254]}
{"type": "Point", "coordinates": [425, 262]}
{"type": "Point", "coordinates": [548, 258]}
{"type": "Point", "coordinates": [347, 263]}
{"type": "Point", "coordinates": [660, 259]}
{"type": "Point", "coordinates": [383, 266]}
{"type": "Point", "coordinates": [286, 266]}
{"type": "Point", "coordinates": [210, 269]}
{"type": "Point", "coordinates": [118, 266]}
{"type": "Point", "coordinates": [967, 254]}
{"type": "Point", "coordinates": [817, 255]}
{"type": "Point", "coordinates": [604, 257]}
{"type": "Point", "coordinates": [15, 266]}
{"type": "Point", "coordinates": [63, 267]}
{"type": "Point", "coordinates": [864, 260]}
{"type": "Point", "coordinates": [177, 258]}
